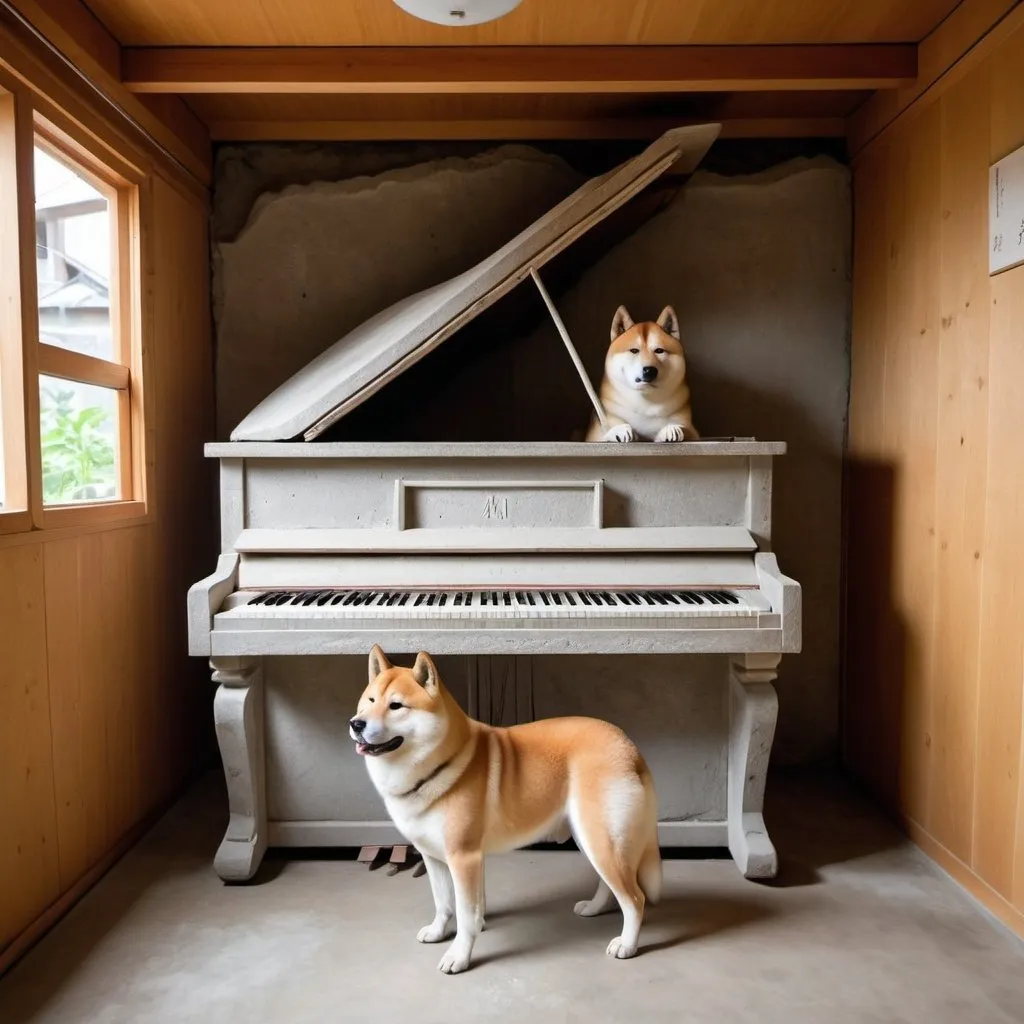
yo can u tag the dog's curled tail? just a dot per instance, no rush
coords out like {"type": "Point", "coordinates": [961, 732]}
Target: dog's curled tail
{"type": "Point", "coordinates": [649, 873]}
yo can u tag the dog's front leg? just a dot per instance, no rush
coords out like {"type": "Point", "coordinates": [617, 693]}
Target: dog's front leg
{"type": "Point", "coordinates": [467, 870]}
{"type": "Point", "coordinates": [444, 901]}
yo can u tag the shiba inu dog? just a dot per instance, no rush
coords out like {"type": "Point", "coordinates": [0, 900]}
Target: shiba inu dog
{"type": "Point", "coordinates": [459, 789]}
{"type": "Point", "coordinates": [644, 390]}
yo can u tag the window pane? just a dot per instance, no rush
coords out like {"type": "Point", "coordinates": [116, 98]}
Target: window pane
{"type": "Point", "coordinates": [79, 441]}
{"type": "Point", "coordinates": [73, 232]}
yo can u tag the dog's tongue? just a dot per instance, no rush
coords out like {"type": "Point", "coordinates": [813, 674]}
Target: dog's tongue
{"type": "Point", "coordinates": [362, 748]}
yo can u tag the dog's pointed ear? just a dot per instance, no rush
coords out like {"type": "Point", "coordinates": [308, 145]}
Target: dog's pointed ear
{"type": "Point", "coordinates": [669, 322]}
{"type": "Point", "coordinates": [621, 322]}
{"type": "Point", "coordinates": [425, 672]}
{"type": "Point", "coordinates": [378, 662]}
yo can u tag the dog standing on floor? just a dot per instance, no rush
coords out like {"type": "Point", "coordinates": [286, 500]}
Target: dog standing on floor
{"type": "Point", "coordinates": [458, 789]}
{"type": "Point", "coordinates": [644, 391]}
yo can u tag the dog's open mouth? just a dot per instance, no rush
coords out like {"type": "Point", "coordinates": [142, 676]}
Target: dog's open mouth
{"type": "Point", "coordinates": [375, 749]}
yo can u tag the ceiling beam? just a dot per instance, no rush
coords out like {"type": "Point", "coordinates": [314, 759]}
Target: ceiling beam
{"type": "Point", "coordinates": [517, 69]}
{"type": "Point", "coordinates": [506, 129]}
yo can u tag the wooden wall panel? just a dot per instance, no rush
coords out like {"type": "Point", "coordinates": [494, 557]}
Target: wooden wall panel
{"type": "Point", "coordinates": [99, 617]}
{"type": "Point", "coordinates": [935, 606]}
{"type": "Point", "coordinates": [28, 838]}
{"type": "Point", "coordinates": [97, 590]}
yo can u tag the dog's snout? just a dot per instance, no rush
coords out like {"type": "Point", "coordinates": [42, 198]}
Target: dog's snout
{"type": "Point", "coordinates": [357, 725]}
{"type": "Point", "coordinates": [648, 373]}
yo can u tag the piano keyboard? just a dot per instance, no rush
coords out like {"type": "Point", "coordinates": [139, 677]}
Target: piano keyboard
{"type": "Point", "coordinates": [509, 608]}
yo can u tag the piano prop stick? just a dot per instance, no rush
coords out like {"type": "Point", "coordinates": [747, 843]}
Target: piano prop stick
{"type": "Point", "coordinates": [577, 362]}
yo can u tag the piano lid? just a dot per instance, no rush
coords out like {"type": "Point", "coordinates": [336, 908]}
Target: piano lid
{"type": "Point", "coordinates": [377, 351]}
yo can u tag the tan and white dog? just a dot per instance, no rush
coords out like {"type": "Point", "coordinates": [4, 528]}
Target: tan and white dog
{"type": "Point", "coordinates": [459, 789]}
{"type": "Point", "coordinates": [644, 390]}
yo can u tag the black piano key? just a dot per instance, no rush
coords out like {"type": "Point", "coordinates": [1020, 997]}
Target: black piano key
{"type": "Point", "coordinates": [339, 597]}
{"type": "Point", "coordinates": [458, 598]}
{"type": "Point", "coordinates": [431, 598]}
{"type": "Point", "coordinates": [325, 596]}
{"type": "Point", "coordinates": [420, 598]}
{"type": "Point", "coordinates": [529, 597]}
{"type": "Point", "coordinates": [570, 598]}
{"type": "Point", "coordinates": [403, 599]}
{"type": "Point", "coordinates": [259, 598]}
{"type": "Point", "coordinates": [713, 597]}
{"type": "Point", "coordinates": [506, 598]}
{"type": "Point", "coordinates": [729, 596]}
{"type": "Point", "coordinates": [582, 594]}
{"type": "Point", "coordinates": [350, 597]}
{"type": "Point", "coordinates": [308, 597]}
{"type": "Point", "coordinates": [443, 601]}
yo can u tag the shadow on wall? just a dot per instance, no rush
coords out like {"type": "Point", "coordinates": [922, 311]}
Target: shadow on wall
{"type": "Point", "coordinates": [880, 653]}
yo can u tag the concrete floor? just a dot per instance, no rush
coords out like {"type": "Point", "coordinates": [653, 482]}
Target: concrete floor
{"type": "Point", "coordinates": [859, 927]}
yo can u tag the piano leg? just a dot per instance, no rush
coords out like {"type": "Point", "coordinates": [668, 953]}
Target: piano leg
{"type": "Point", "coordinates": [238, 716]}
{"type": "Point", "coordinates": [753, 710]}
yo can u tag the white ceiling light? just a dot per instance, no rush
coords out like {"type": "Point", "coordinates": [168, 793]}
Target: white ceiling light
{"type": "Point", "coordinates": [458, 12]}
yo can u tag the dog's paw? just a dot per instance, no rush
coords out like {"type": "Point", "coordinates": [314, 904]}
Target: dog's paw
{"type": "Point", "coordinates": [454, 961]}
{"type": "Point", "coordinates": [589, 908]}
{"type": "Point", "coordinates": [618, 949]}
{"type": "Point", "coordinates": [434, 932]}
{"type": "Point", "coordinates": [671, 432]}
{"type": "Point", "coordinates": [623, 432]}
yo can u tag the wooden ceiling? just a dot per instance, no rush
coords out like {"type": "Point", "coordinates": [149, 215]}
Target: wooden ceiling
{"type": "Point", "coordinates": [266, 70]}
{"type": "Point", "coordinates": [534, 23]}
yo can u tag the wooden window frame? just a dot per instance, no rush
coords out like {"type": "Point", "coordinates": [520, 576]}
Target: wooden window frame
{"type": "Point", "coordinates": [25, 123]}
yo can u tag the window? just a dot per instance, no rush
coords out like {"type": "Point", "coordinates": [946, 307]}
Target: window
{"type": "Point", "coordinates": [84, 379]}
{"type": "Point", "coordinates": [70, 388]}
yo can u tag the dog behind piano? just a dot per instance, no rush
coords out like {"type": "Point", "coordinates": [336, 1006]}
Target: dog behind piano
{"type": "Point", "coordinates": [644, 391]}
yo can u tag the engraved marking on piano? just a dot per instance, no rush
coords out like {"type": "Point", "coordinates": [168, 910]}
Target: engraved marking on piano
{"type": "Point", "coordinates": [495, 507]}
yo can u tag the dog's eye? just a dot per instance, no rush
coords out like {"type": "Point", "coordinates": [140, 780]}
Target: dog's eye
{"type": "Point", "coordinates": [395, 706]}
{"type": "Point", "coordinates": [659, 351]}
{"type": "Point", "coordinates": [635, 351]}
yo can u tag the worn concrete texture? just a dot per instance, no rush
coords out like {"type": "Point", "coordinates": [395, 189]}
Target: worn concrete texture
{"type": "Point", "coordinates": [757, 267]}
{"type": "Point", "coordinates": [316, 260]}
{"type": "Point", "coordinates": [860, 928]}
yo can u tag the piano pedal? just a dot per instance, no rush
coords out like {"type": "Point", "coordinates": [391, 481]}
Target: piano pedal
{"type": "Point", "coordinates": [401, 858]}
{"type": "Point", "coordinates": [399, 855]}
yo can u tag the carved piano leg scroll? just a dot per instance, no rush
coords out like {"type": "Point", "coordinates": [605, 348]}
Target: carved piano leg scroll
{"type": "Point", "coordinates": [238, 716]}
{"type": "Point", "coordinates": [753, 708]}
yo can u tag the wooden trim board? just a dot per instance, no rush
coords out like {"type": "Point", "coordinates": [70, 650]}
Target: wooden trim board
{"type": "Point", "coordinates": [515, 128]}
{"type": "Point", "coordinates": [21, 944]}
{"type": "Point", "coordinates": [991, 900]}
{"type": "Point", "coordinates": [516, 69]}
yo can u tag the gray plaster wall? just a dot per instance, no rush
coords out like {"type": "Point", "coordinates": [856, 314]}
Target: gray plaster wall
{"type": "Point", "coordinates": [757, 267]}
